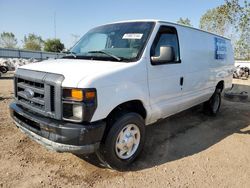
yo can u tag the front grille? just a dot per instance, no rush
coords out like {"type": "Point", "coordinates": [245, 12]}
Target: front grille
{"type": "Point", "coordinates": [37, 91]}
{"type": "Point", "coordinates": [52, 98]}
{"type": "Point", "coordinates": [35, 98]}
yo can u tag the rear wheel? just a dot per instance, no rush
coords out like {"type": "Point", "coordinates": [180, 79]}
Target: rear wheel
{"type": "Point", "coordinates": [212, 106]}
{"type": "Point", "coordinates": [123, 142]}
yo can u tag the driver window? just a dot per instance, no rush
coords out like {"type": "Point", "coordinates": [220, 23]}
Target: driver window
{"type": "Point", "coordinates": [167, 36]}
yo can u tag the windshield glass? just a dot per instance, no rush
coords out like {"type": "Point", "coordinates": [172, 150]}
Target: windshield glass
{"type": "Point", "coordinates": [116, 42]}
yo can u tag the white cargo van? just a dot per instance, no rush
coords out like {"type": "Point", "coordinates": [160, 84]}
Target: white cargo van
{"type": "Point", "coordinates": [118, 78]}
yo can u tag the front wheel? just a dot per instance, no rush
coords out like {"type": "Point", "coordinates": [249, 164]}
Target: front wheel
{"type": "Point", "coordinates": [124, 141]}
{"type": "Point", "coordinates": [212, 106]}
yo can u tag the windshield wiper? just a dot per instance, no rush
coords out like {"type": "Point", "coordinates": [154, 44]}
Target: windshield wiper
{"type": "Point", "coordinates": [70, 53]}
{"type": "Point", "coordinates": [106, 53]}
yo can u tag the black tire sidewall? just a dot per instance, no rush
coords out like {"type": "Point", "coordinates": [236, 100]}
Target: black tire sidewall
{"type": "Point", "coordinates": [108, 150]}
{"type": "Point", "coordinates": [212, 102]}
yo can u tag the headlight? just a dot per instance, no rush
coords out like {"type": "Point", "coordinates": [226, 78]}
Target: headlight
{"type": "Point", "coordinates": [73, 111]}
{"type": "Point", "coordinates": [79, 104]}
{"type": "Point", "coordinates": [77, 111]}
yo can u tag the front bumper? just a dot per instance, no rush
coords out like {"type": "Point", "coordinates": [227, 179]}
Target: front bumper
{"type": "Point", "coordinates": [57, 135]}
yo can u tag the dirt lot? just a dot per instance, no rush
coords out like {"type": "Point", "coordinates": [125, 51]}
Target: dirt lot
{"type": "Point", "coordinates": [189, 149]}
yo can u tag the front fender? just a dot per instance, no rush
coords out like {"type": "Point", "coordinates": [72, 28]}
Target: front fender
{"type": "Point", "coordinates": [109, 98]}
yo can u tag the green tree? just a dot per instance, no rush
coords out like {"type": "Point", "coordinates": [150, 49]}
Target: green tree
{"type": "Point", "coordinates": [222, 19]}
{"type": "Point", "coordinates": [215, 20]}
{"type": "Point", "coordinates": [232, 20]}
{"type": "Point", "coordinates": [8, 40]}
{"type": "Point", "coordinates": [33, 42]}
{"type": "Point", "coordinates": [242, 46]}
{"type": "Point", "coordinates": [53, 45]}
{"type": "Point", "coordinates": [184, 22]}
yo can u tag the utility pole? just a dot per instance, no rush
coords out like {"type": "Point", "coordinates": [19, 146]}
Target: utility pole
{"type": "Point", "coordinates": [55, 24]}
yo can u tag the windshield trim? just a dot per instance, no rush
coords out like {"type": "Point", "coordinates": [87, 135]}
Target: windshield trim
{"type": "Point", "coordinates": [139, 55]}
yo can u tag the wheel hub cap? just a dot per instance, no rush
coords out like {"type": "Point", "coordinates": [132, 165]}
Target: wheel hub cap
{"type": "Point", "coordinates": [127, 141]}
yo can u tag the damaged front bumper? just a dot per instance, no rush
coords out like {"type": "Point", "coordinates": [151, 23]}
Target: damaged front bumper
{"type": "Point", "coordinates": [57, 135]}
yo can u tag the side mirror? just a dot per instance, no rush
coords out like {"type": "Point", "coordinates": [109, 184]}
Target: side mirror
{"type": "Point", "coordinates": [166, 55]}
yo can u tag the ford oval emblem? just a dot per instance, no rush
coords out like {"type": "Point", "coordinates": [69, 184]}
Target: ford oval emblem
{"type": "Point", "coordinates": [29, 93]}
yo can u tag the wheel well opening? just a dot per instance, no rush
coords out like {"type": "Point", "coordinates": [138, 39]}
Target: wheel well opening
{"type": "Point", "coordinates": [130, 106]}
{"type": "Point", "coordinates": [220, 85]}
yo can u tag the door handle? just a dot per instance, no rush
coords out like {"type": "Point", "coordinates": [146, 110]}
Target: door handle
{"type": "Point", "coordinates": [181, 81]}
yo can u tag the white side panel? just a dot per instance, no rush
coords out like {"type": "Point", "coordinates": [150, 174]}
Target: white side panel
{"type": "Point", "coordinates": [194, 47]}
{"type": "Point", "coordinates": [202, 69]}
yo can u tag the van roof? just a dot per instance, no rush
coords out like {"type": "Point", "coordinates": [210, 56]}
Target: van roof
{"type": "Point", "coordinates": [162, 21]}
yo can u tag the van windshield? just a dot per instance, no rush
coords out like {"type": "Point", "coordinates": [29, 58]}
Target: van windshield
{"type": "Point", "coordinates": [113, 42]}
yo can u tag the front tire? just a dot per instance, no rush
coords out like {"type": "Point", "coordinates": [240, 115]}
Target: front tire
{"type": "Point", "coordinates": [212, 106]}
{"type": "Point", "coordinates": [124, 141]}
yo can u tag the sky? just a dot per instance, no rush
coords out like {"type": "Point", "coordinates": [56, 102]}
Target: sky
{"type": "Point", "coordinates": [76, 17]}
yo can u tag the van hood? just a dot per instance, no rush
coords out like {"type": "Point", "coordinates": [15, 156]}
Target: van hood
{"type": "Point", "coordinates": [74, 70]}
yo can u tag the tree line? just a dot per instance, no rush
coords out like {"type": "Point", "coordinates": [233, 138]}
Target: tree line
{"type": "Point", "coordinates": [31, 42]}
{"type": "Point", "coordinates": [231, 19]}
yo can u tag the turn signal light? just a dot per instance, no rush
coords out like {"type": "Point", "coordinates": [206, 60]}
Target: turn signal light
{"type": "Point", "coordinates": [89, 95]}
{"type": "Point", "coordinates": [77, 94]}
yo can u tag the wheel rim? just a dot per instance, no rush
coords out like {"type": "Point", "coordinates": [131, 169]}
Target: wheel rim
{"type": "Point", "coordinates": [127, 141]}
{"type": "Point", "coordinates": [216, 103]}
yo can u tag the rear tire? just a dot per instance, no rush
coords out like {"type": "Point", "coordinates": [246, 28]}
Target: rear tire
{"type": "Point", "coordinates": [212, 106]}
{"type": "Point", "coordinates": [124, 141]}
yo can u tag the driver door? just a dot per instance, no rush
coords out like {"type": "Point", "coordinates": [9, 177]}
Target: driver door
{"type": "Point", "coordinates": [165, 78]}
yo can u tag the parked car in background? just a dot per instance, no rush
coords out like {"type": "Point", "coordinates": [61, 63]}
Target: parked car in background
{"type": "Point", "coordinates": [117, 79]}
{"type": "Point", "coordinates": [241, 72]}
{"type": "Point", "coordinates": [3, 70]}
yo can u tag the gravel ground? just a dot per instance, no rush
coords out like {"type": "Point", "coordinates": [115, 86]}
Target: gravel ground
{"type": "Point", "coordinates": [189, 149]}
